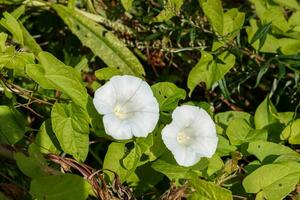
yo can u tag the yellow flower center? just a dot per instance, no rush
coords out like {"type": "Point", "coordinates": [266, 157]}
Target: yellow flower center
{"type": "Point", "coordinates": [120, 112]}
{"type": "Point", "coordinates": [183, 138]}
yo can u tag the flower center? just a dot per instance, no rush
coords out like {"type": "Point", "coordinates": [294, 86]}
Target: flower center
{"type": "Point", "coordinates": [121, 112]}
{"type": "Point", "coordinates": [183, 138]}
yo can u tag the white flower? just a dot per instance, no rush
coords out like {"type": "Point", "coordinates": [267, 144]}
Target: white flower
{"type": "Point", "coordinates": [128, 106]}
{"type": "Point", "coordinates": [191, 135]}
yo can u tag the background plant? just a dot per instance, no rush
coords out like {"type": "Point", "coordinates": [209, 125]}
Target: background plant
{"type": "Point", "coordinates": [239, 60]}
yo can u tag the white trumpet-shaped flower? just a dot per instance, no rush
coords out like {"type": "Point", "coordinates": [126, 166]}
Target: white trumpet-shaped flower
{"type": "Point", "coordinates": [191, 135]}
{"type": "Point", "coordinates": [128, 106]}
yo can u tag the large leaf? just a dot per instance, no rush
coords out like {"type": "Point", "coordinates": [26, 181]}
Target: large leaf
{"type": "Point", "coordinates": [239, 131]}
{"type": "Point", "coordinates": [168, 95]}
{"type": "Point", "coordinates": [208, 191]}
{"type": "Point", "coordinates": [33, 165]}
{"type": "Point", "coordinates": [264, 149]}
{"type": "Point", "coordinates": [224, 118]}
{"type": "Point", "coordinates": [62, 187]}
{"type": "Point", "coordinates": [52, 73]}
{"type": "Point", "coordinates": [209, 71]}
{"type": "Point", "coordinates": [71, 126]}
{"type": "Point", "coordinates": [12, 126]}
{"type": "Point", "coordinates": [275, 180]}
{"type": "Point", "coordinates": [101, 41]}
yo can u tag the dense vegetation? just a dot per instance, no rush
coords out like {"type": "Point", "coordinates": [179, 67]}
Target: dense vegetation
{"type": "Point", "coordinates": [238, 60]}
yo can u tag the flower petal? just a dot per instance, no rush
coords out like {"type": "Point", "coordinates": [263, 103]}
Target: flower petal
{"type": "Point", "coordinates": [126, 87]}
{"type": "Point", "coordinates": [144, 123]}
{"type": "Point", "coordinates": [105, 99]}
{"type": "Point", "coordinates": [169, 136]}
{"type": "Point", "coordinates": [185, 115]}
{"type": "Point", "coordinates": [185, 156]}
{"type": "Point", "coordinates": [116, 128]}
{"type": "Point", "coordinates": [205, 146]}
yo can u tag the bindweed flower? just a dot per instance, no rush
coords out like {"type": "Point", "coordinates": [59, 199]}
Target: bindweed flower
{"type": "Point", "coordinates": [191, 135]}
{"type": "Point", "coordinates": [128, 106]}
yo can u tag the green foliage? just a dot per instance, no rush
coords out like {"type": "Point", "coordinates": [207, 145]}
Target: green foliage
{"type": "Point", "coordinates": [237, 60]}
{"type": "Point", "coordinates": [101, 41]}
{"type": "Point", "coordinates": [12, 127]}
{"type": "Point", "coordinates": [208, 191]}
{"type": "Point", "coordinates": [50, 187]}
{"type": "Point", "coordinates": [71, 127]}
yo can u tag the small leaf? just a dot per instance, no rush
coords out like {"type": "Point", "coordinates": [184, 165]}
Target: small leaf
{"type": "Point", "coordinates": [168, 95]}
{"type": "Point", "coordinates": [63, 187]}
{"type": "Point", "coordinates": [171, 8]}
{"type": "Point", "coordinates": [208, 191]}
{"type": "Point", "coordinates": [101, 41]}
{"type": "Point", "coordinates": [265, 114]}
{"type": "Point", "coordinates": [292, 132]}
{"type": "Point", "coordinates": [261, 34]}
{"type": "Point", "coordinates": [12, 127]}
{"type": "Point", "coordinates": [112, 161]}
{"type": "Point", "coordinates": [107, 72]}
{"type": "Point", "coordinates": [12, 25]}
{"type": "Point", "coordinates": [209, 71]}
{"type": "Point", "coordinates": [45, 139]}
{"type": "Point", "coordinates": [214, 11]}
{"type": "Point", "coordinates": [70, 124]}
{"type": "Point", "coordinates": [224, 148]}
{"type": "Point", "coordinates": [167, 165]}
{"type": "Point", "coordinates": [127, 4]}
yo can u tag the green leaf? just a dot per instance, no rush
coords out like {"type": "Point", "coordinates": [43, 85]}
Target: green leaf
{"type": "Point", "coordinates": [62, 187]}
{"type": "Point", "coordinates": [208, 191]}
{"type": "Point", "coordinates": [59, 76]}
{"type": "Point", "coordinates": [224, 148]}
{"type": "Point", "coordinates": [239, 131]}
{"type": "Point", "coordinates": [12, 127]}
{"type": "Point", "coordinates": [292, 132]}
{"type": "Point", "coordinates": [263, 149]}
{"type": "Point", "coordinates": [101, 41]}
{"type": "Point", "coordinates": [12, 25]}
{"type": "Point", "coordinates": [209, 71]}
{"type": "Point", "coordinates": [29, 41]}
{"type": "Point", "coordinates": [113, 161]}
{"type": "Point", "coordinates": [214, 12]}
{"type": "Point", "coordinates": [46, 140]}
{"type": "Point", "coordinates": [33, 165]}
{"type": "Point", "coordinates": [265, 114]}
{"type": "Point", "coordinates": [37, 73]}
{"type": "Point", "coordinates": [261, 34]}
{"type": "Point", "coordinates": [224, 118]}
{"type": "Point", "coordinates": [11, 2]}
{"type": "Point", "coordinates": [127, 4]}
{"type": "Point", "coordinates": [171, 8]}
{"type": "Point", "coordinates": [107, 72]}
{"type": "Point", "coordinates": [275, 180]}
{"type": "Point", "coordinates": [70, 124]}
{"type": "Point", "coordinates": [293, 4]}
{"type": "Point", "coordinates": [271, 43]}
{"type": "Point", "coordinates": [3, 38]}
{"type": "Point", "coordinates": [16, 60]}
{"type": "Point", "coordinates": [233, 22]}
{"type": "Point", "coordinates": [167, 165]}
{"type": "Point", "coordinates": [168, 95]}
